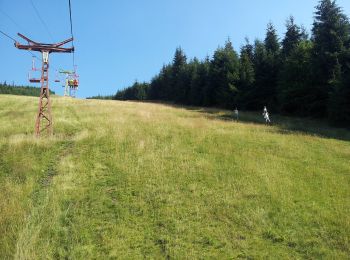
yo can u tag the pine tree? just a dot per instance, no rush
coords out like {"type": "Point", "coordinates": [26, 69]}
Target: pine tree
{"type": "Point", "coordinates": [186, 76]}
{"type": "Point", "coordinates": [294, 35]}
{"type": "Point", "coordinates": [179, 60]}
{"type": "Point", "coordinates": [178, 92]}
{"type": "Point", "coordinates": [160, 88]}
{"type": "Point", "coordinates": [255, 98]}
{"type": "Point", "coordinates": [294, 80]}
{"type": "Point", "coordinates": [266, 67]}
{"type": "Point", "coordinates": [339, 104]}
{"type": "Point", "coordinates": [295, 93]}
{"type": "Point", "coordinates": [330, 35]}
{"type": "Point", "coordinates": [202, 81]}
{"type": "Point", "coordinates": [271, 40]}
{"type": "Point", "coordinates": [205, 83]}
{"type": "Point", "coordinates": [273, 63]}
{"type": "Point", "coordinates": [224, 76]}
{"type": "Point", "coordinates": [198, 80]}
{"type": "Point", "coordinates": [246, 75]}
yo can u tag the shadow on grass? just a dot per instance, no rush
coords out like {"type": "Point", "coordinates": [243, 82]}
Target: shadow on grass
{"type": "Point", "coordinates": [284, 124]}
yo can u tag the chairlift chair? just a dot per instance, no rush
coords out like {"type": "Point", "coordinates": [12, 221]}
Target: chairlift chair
{"type": "Point", "coordinates": [31, 78]}
{"type": "Point", "coordinates": [73, 81]}
{"type": "Point", "coordinates": [57, 79]}
{"type": "Point", "coordinates": [34, 80]}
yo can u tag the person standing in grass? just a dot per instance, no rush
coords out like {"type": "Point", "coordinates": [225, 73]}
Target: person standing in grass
{"type": "Point", "coordinates": [264, 111]}
{"type": "Point", "coordinates": [236, 113]}
{"type": "Point", "coordinates": [266, 116]}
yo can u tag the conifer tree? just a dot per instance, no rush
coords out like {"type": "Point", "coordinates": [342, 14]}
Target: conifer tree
{"type": "Point", "coordinates": [294, 77]}
{"type": "Point", "coordinates": [273, 63]}
{"type": "Point", "coordinates": [178, 90]}
{"type": "Point", "coordinates": [160, 88]}
{"type": "Point", "coordinates": [271, 40]}
{"type": "Point", "coordinates": [255, 98]}
{"type": "Point", "coordinates": [339, 104]}
{"type": "Point", "coordinates": [199, 82]}
{"type": "Point", "coordinates": [330, 37]}
{"type": "Point", "coordinates": [266, 67]}
{"type": "Point", "coordinates": [188, 72]}
{"type": "Point", "coordinates": [246, 75]}
{"type": "Point", "coordinates": [224, 76]}
{"type": "Point", "coordinates": [294, 35]}
{"type": "Point", "coordinates": [294, 89]}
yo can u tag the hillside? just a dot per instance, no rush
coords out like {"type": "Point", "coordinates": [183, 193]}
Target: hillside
{"type": "Point", "coordinates": [141, 180]}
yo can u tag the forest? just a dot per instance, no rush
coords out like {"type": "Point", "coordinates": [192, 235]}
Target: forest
{"type": "Point", "coordinates": [304, 74]}
{"type": "Point", "coordinates": [20, 90]}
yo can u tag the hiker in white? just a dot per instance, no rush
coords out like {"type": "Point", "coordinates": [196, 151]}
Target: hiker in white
{"type": "Point", "coordinates": [264, 111]}
{"type": "Point", "coordinates": [267, 118]}
{"type": "Point", "coordinates": [266, 115]}
{"type": "Point", "coordinates": [236, 113]}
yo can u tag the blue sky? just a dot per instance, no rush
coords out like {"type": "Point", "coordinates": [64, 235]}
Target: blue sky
{"type": "Point", "coordinates": [119, 41]}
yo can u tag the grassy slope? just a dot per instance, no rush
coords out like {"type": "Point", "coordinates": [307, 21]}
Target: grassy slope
{"type": "Point", "coordinates": [133, 180]}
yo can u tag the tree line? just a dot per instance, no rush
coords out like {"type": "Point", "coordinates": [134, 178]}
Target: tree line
{"type": "Point", "coordinates": [301, 75]}
{"type": "Point", "coordinates": [20, 90]}
{"type": "Point", "coordinates": [110, 97]}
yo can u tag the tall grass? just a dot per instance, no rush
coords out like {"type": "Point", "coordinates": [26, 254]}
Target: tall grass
{"type": "Point", "coordinates": [137, 180]}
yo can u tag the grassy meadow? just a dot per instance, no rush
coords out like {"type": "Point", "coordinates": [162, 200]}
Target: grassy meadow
{"type": "Point", "coordinates": [126, 180]}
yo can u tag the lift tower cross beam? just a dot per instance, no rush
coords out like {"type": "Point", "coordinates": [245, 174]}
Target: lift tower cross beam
{"type": "Point", "coordinates": [44, 117]}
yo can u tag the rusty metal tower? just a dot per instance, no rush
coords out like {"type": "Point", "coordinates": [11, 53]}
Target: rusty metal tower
{"type": "Point", "coordinates": [44, 117]}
